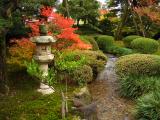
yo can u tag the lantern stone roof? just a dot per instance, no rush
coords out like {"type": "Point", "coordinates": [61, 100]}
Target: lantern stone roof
{"type": "Point", "coordinates": [43, 39]}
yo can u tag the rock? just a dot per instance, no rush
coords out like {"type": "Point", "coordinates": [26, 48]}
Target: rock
{"type": "Point", "coordinates": [77, 103]}
{"type": "Point", "coordinates": [89, 111]}
{"type": "Point", "coordinates": [83, 95]}
{"type": "Point", "coordinates": [83, 103]}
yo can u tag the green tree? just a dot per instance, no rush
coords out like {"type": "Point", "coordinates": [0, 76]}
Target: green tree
{"type": "Point", "coordinates": [65, 8]}
{"type": "Point", "coordinates": [86, 10]}
{"type": "Point", "coordinates": [7, 9]}
{"type": "Point", "coordinates": [133, 21]}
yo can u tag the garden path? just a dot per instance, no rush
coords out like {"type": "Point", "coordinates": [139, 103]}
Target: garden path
{"type": "Point", "coordinates": [110, 106]}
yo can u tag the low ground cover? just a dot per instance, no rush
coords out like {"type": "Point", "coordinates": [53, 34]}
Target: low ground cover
{"type": "Point", "coordinates": [24, 102]}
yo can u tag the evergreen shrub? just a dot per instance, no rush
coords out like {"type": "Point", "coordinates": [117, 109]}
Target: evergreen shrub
{"type": "Point", "coordinates": [82, 75]}
{"type": "Point", "coordinates": [138, 64]}
{"type": "Point", "coordinates": [79, 65]}
{"type": "Point", "coordinates": [119, 51]}
{"type": "Point", "coordinates": [145, 45]}
{"type": "Point", "coordinates": [105, 42]}
{"type": "Point", "coordinates": [127, 40]}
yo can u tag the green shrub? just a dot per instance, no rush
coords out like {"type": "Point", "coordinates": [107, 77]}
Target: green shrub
{"type": "Point", "coordinates": [119, 51]}
{"type": "Point", "coordinates": [127, 40]}
{"type": "Point", "coordinates": [105, 42]}
{"type": "Point", "coordinates": [148, 107]}
{"type": "Point", "coordinates": [91, 41]}
{"type": "Point", "coordinates": [34, 71]}
{"type": "Point", "coordinates": [145, 45]}
{"type": "Point", "coordinates": [95, 59]}
{"type": "Point", "coordinates": [138, 64]}
{"type": "Point", "coordinates": [135, 86]}
{"type": "Point", "coordinates": [82, 75]}
{"type": "Point", "coordinates": [69, 61]}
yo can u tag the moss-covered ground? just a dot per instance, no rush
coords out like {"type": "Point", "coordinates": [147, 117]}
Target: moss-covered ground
{"type": "Point", "coordinates": [25, 103]}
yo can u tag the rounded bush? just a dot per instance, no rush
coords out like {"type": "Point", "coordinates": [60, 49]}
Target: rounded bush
{"type": "Point", "coordinates": [82, 75]}
{"type": "Point", "coordinates": [145, 45]}
{"type": "Point", "coordinates": [127, 40]}
{"type": "Point", "coordinates": [119, 51]}
{"type": "Point", "coordinates": [138, 64]}
{"type": "Point", "coordinates": [95, 59]}
{"type": "Point", "coordinates": [148, 107]}
{"type": "Point", "coordinates": [105, 42]}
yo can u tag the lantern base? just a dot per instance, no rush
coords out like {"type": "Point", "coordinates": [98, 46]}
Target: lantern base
{"type": "Point", "coordinates": [45, 89]}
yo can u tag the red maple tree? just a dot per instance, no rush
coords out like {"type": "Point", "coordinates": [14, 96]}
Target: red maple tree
{"type": "Point", "coordinates": [65, 32]}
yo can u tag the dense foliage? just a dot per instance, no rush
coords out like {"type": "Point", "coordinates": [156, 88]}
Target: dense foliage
{"type": "Point", "coordinates": [127, 40]}
{"type": "Point", "coordinates": [105, 42]}
{"type": "Point", "coordinates": [134, 86]}
{"type": "Point", "coordinates": [148, 107]}
{"type": "Point", "coordinates": [91, 40]}
{"type": "Point", "coordinates": [138, 64]}
{"type": "Point", "coordinates": [60, 27]}
{"type": "Point", "coordinates": [119, 51]}
{"type": "Point", "coordinates": [21, 51]}
{"type": "Point", "coordinates": [82, 75]}
{"type": "Point", "coordinates": [145, 45]}
{"type": "Point", "coordinates": [86, 10]}
{"type": "Point", "coordinates": [95, 59]}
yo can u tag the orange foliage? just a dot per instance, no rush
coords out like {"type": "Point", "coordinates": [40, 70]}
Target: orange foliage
{"type": "Point", "coordinates": [21, 51]}
{"type": "Point", "coordinates": [63, 26]}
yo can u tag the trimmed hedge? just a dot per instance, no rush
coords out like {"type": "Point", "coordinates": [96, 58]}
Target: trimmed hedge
{"type": "Point", "coordinates": [105, 42]}
{"type": "Point", "coordinates": [145, 45]}
{"type": "Point", "coordinates": [95, 59]}
{"type": "Point", "coordinates": [82, 75]}
{"type": "Point", "coordinates": [138, 64]}
{"type": "Point", "coordinates": [127, 40]}
{"type": "Point", "coordinates": [77, 65]}
{"type": "Point", "coordinates": [119, 51]}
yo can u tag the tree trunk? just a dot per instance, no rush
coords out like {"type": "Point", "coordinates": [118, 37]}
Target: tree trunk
{"type": "Point", "coordinates": [3, 71]}
{"type": "Point", "coordinates": [141, 26]}
{"type": "Point", "coordinates": [65, 5]}
{"type": "Point", "coordinates": [135, 23]}
{"type": "Point", "coordinates": [6, 9]}
{"type": "Point", "coordinates": [124, 17]}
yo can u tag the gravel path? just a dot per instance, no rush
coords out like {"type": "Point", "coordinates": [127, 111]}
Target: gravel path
{"type": "Point", "coordinates": [110, 106]}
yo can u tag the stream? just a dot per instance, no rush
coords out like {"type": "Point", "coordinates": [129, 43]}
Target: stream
{"type": "Point", "coordinates": [110, 106]}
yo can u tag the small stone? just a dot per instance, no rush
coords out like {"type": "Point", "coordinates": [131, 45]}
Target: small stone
{"type": "Point", "coordinates": [77, 103]}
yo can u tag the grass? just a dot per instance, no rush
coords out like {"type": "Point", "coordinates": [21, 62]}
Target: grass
{"type": "Point", "coordinates": [25, 103]}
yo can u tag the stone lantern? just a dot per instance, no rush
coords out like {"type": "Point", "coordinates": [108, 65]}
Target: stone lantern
{"type": "Point", "coordinates": [43, 49]}
{"type": "Point", "coordinates": [43, 53]}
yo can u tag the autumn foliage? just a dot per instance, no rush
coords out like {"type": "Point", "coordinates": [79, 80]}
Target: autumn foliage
{"type": "Point", "coordinates": [60, 27]}
{"type": "Point", "coordinates": [150, 9]}
{"type": "Point", "coordinates": [21, 51]}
